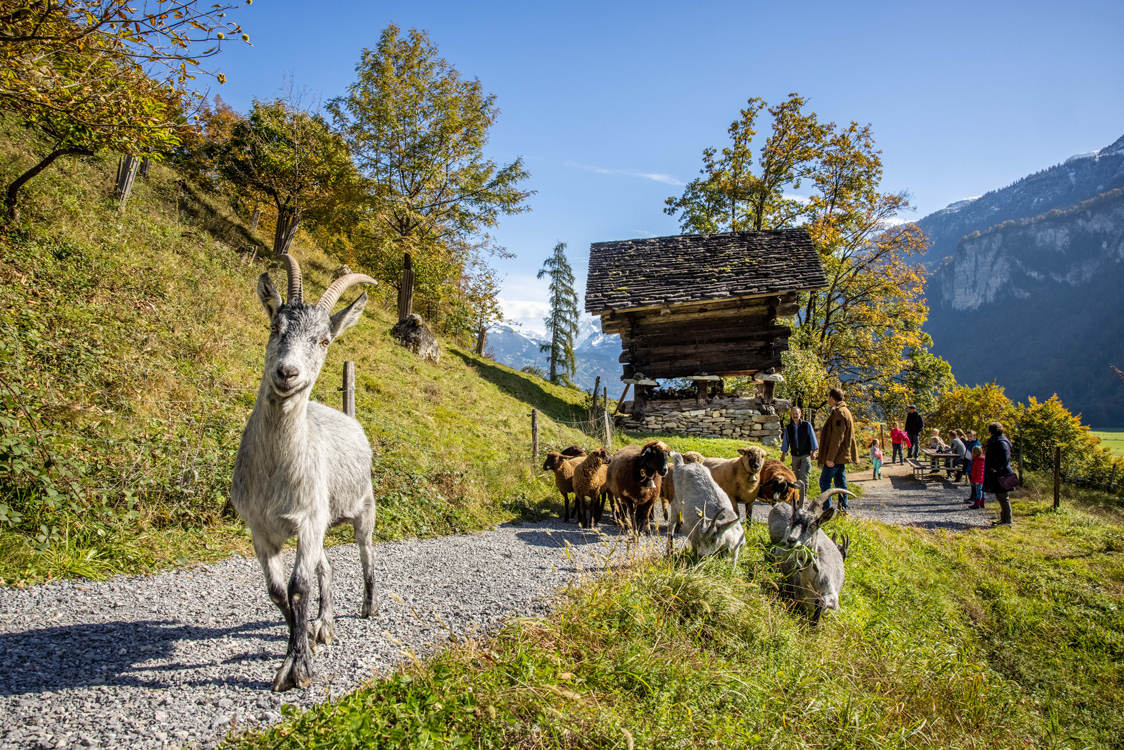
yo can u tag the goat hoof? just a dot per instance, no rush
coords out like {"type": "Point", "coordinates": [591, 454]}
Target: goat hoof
{"type": "Point", "coordinates": [295, 672]}
{"type": "Point", "coordinates": [370, 609]}
{"type": "Point", "coordinates": [321, 631]}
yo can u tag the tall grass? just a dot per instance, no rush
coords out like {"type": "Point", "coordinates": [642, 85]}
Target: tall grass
{"type": "Point", "coordinates": [986, 639]}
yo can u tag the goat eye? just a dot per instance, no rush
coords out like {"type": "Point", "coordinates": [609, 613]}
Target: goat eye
{"type": "Point", "coordinates": [273, 329]}
{"type": "Point", "coordinates": [325, 342]}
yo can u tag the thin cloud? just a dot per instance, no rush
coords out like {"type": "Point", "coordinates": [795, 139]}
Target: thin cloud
{"type": "Point", "coordinates": [654, 176]}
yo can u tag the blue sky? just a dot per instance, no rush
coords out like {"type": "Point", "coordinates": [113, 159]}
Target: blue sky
{"type": "Point", "coordinates": [610, 104]}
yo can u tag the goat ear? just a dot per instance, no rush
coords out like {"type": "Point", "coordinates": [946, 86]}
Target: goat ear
{"type": "Point", "coordinates": [825, 516]}
{"type": "Point", "coordinates": [348, 316]}
{"type": "Point", "coordinates": [269, 296]}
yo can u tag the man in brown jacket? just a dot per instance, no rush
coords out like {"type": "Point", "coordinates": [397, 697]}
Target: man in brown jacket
{"type": "Point", "coordinates": [837, 446]}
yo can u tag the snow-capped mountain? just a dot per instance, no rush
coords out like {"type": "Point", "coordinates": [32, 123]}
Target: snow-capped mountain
{"type": "Point", "coordinates": [596, 353]}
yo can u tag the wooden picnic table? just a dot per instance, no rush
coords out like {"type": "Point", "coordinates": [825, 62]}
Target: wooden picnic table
{"type": "Point", "coordinates": [935, 457]}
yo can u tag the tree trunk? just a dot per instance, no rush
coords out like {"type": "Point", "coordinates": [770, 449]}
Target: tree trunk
{"type": "Point", "coordinates": [256, 218]}
{"type": "Point", "coordinates": [13, 193]}
{"type": "Point", "coordinates": [406, 289]}
{"type": "Point", "coordinates": [288, 221]}
{"type": "Point", "coordinates": [481, 339]}
{"type": "Point", "coordinates": [127, 167]}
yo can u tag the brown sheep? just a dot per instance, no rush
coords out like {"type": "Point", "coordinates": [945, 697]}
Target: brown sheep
{"type": "Point", "coordinates": [590, 476]}
{"type": "Point", "coordinates": [563, 469]}
{"type": "Point", "coordinates": [778, 484]}
{"type": "Point", "coordinates": [738, 477]}
{"type": "Point", "coordinates": [573, 451]}
{"type": "Point", "coordinates": [635, 477]}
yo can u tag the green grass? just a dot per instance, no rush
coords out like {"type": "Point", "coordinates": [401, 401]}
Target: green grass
{"type": "Point", "coordinates": [127, 334]}
{"type": "Point", "coordinates": [1112, 439]}
{"type": "Point", "coordinates": [987, 639]}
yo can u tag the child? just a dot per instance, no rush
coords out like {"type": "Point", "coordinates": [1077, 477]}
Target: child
{"type": "Point", "coordinates": [977, 477]}
{"type": "Point", "coordinates": [935, 442]}
{"type": "Point", "coordinates": [898, 438]}
{"type": "Point", "coordinates": [876, 458]}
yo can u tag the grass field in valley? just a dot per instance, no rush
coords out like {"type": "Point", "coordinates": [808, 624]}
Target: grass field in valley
{"type": "Point", "coordinates": [996, 638]}
{"type": "Point", "coordinates": [1113, 439]}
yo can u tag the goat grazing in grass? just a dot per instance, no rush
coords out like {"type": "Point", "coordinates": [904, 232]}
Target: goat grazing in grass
{"type": "Point", "coordinates": [303, 467]}
{"type": "Point", "coordinates": [712, 521]}
{"type": "Point", "coordinates": [635, 476]}
{"type": "Point", "coordinates": [810, 562]}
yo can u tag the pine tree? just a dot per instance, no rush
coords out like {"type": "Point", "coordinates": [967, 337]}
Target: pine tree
{"type": "Point", "coordinates": [562, 323]}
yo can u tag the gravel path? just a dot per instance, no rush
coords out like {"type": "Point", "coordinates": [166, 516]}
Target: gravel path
{"type": "Point", "coordinates": [900, 499]}
{"type": "Point", "coordinates": [170, 660]}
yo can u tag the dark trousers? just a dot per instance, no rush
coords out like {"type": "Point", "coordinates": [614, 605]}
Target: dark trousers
{"type": "Point", "coordinates": [915, 440]}
{"type": "Point", "coordinates": [897, 454]}
{"type": "Point", "coordinates": [1004, 507]}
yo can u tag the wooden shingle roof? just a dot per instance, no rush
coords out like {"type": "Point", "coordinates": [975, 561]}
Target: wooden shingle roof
{"type": "Point", "coordinates": [666, 271]}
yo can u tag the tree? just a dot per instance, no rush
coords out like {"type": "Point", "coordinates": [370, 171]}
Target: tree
{"type": "Point", "coordinates": [562, 322]}
{"type": "Point", "coordinates": [864, 328]}
{"type": "Point", "coordinates": [971, 409]}
{"type": "Point", "coordinates": [94, 75]}
{"type": "Point", "coordinates": [730, 196]}
{"type": "Point", "coordinates": [285, 152]}
{"type": "Point", "coordinates": [417, 131]}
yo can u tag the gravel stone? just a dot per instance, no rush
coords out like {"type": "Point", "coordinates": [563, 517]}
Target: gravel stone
{"type": "Point", "coordinates": [172, 659]}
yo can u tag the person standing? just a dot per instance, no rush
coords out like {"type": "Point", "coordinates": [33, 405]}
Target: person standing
{"type": "Point", "coordinates": [799, 439]}
{"type": "Point", "coordinates": [970, 443]}
{"type": "Point", "coordinates": [898, 438]}
{"type": "Point", "coordinates": [956, 445]}
{"type": "Point", "coordinates": [838, 446]}
{"type": "Point", "coordinates": [997, 464]}
{"type": "Point", "coordinates": [976, 476]}
{"type": "Point", "coordinates": [876, 458]}
{"type": "Point", "coordinates": [914, 424]}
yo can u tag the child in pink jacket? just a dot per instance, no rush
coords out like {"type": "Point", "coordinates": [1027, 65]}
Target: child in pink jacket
{"type": "Point", "coordinates": [977, 477]}
{"type": "Point", "coordinates": [898, 438]}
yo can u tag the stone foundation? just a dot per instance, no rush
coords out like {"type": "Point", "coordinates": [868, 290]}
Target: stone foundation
{"type": "Point", "coordinates": [733, 417]}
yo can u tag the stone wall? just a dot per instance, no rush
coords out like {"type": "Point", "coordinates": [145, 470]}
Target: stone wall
{"type": "Point", "coordinates": [736, 418]}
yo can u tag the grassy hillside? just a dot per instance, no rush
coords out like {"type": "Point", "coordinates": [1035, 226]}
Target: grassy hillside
{"type": "Point", "coordinates": [131, 346]}
{"type": "Point", "coordinates": [1113, 440]}
{"type": "Point", "coordinates": [1006, 638]}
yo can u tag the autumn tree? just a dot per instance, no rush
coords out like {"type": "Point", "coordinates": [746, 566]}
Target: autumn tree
{"type": "Point", "coordinates": [864, 329]}
{"type": "Point", "coordinates": [95, 75]}
{"type": "Point", "coordinates": [562, 322]}
{"type": "Point", "coordinates": [417, 130]}
{"type": "Point", "coordinates": [289, 154]}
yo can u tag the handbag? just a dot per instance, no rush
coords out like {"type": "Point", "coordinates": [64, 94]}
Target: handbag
{"type": "Point", "coordinates": [1009, 481]}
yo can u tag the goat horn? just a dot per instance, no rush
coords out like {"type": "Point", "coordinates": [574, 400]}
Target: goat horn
{"type": "Point", "coordinates": [293, 269]}
{"type": "Point", "coordinates": [339, 286]}
{"type": "Point", "coordinates": [836, 491]}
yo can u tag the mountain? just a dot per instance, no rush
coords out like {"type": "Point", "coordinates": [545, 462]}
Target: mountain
{"type": "Point", "coordinates": [596, 353]}
{"type": "Point", "coordinates": [1077, 179]}
{"type": "Point", "coordinates": [1033, 299]}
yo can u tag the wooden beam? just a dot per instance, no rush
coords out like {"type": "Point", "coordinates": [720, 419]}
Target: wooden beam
{"type": "Point", "coordinates": [732, 336]}
{"type": "Point", "coordinates": [616, 320]}
{"type": "Point", "coordinates": [706, 304]}
{"type": "Point", "coordinates": [640, 357]}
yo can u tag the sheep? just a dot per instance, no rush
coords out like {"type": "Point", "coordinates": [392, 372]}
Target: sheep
{"type": "Point", "coordinates": [590, 475]}
{"type": "Point", "coordinates": [777, 483]}
{"type": "Point", "coordinates": [303, 467]}
{"type": "Point", "coordinates": [713, 521]}
{"type": "Point", "coordinates": [811, 563]}
{"type": "Point", "coordinates": [738, 477]}
{"type": "Point", "coordinates": [563, 469]}
{"type": "Point", "coordinates": [635, 476]}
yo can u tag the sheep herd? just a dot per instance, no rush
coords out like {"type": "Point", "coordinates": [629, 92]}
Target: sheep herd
{"type": "Point", "coordinates": [702, 495]}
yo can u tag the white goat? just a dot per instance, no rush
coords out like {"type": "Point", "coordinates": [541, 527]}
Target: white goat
{"type": "Point", "coordinates": [712, 523]}
{"type": "Point", "coordinates": [303, 467]}
{"type": "Point", "coordinates": [811, 563]}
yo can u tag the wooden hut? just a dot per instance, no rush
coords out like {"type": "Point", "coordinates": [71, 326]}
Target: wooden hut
{"type": "Point", "coordinates": [701, 307]}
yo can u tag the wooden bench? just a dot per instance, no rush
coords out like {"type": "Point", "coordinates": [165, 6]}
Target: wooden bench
{"type": "Point", "coordinates": [920, 470]}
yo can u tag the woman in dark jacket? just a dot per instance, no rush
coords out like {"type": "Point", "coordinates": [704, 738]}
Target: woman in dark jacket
{"type": "Point", "coordinates": [997, 463]}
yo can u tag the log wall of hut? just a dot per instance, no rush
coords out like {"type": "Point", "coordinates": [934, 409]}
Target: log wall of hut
{"type": "Point", "coordinates": [728, 338]}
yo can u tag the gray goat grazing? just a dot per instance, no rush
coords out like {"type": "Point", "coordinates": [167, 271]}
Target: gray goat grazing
{"type": "Point", "coordinates": [810, 562]}
{"type": "Point", "coordinates": [712, 523]}
{"type": "Point", "coordinates": [303, 467]}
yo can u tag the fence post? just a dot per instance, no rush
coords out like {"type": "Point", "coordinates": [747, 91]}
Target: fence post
{"type": "Point", "coordinates": [1057, 477]}
{"type": "Point", "coordinates": [534, 435]}
{"type": "Point", "coordinates": [605, 397]}
{"type": "Point", "coordinates": [1112, 476]}
{"type": "Point", "coordinates": [1020, 457]}
{"type": "Point", "coordinates": [881, 437]}
{"type": "Point", "coordinates": [348, 389]}
{"type": "Point", "coordinates": [406, 291]}
{"type": "Point", "coordinates": [608, 433]}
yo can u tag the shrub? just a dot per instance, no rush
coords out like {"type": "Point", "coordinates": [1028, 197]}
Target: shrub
{"type": "Point", "coordinates": [971, 409]}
